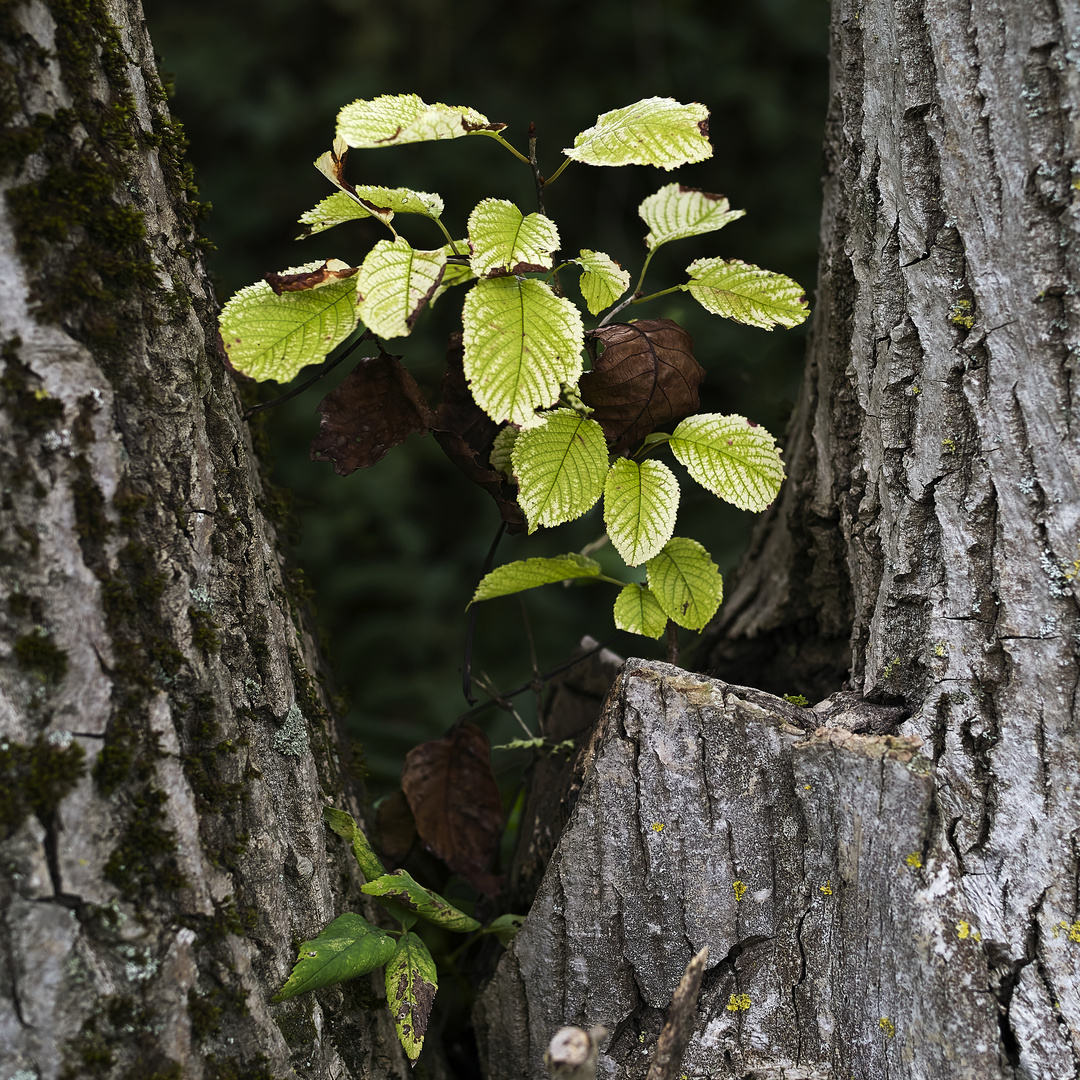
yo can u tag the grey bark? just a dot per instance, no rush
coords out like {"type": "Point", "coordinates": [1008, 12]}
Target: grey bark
{"type": "Point", "coordinates": [923, 556]}
{"type": "Point", "coordinates": [150, 900]}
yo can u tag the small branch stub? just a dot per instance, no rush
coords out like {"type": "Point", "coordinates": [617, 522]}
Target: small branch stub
{"type": "Point", "coordinates": [572, 1052]}
{"type": "Point", "coordinates": [679, 1026]}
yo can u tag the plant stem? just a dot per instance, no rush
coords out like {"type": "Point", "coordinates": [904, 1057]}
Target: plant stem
{"type": "Point", "coordinates": [466, 662]}
{"type": "Point", "coordinates": [502, 142]}
{"type": "Point", "coordinates": [672, 642]}
{"type": "Point", "coordinates": [653, 296]}
{"type": "Point", "coordinates": [558, 172]}
{"type": "Point", "coordinates": [615, 311]}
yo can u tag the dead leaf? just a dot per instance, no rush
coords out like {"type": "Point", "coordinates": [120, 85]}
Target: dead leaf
{"type": "Point", "coordinates": [456, 802]}
{"type": "Point", "coordinates": [395, 829]}
{"type": "Point", "coordinates": [376, 406]}
{"type": "Point", "coordinates": [646, 378]}
{"type": "Point", "coordinates": [466, 433]}
{"type": "Point", "coordinates": [332, 270]}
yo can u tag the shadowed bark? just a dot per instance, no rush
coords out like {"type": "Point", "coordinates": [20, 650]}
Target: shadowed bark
{"type": "Point", "coordinates": [165, 749]}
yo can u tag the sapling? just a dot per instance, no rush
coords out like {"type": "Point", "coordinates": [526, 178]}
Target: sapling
{"type": "Point", "coordinates": [521, 413]}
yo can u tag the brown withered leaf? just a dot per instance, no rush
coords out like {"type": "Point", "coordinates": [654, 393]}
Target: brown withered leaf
{"type": "Point", "coordinates": [376, 406]}
{"type": "Point", "coordinates": [466, 433]}
{"type": "Point", "coordinates": [645, 378]}
{"type": "Point", "coordinates": [395, 829]}
{"type": "Point", "coordinates": [456, 802]}
{"type": "Point", "coordinates": [332, 270]}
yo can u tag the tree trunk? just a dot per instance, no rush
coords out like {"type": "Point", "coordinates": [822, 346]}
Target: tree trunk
{"type": "Point", "coordinates": [878, 900]}
{"type": "Point", "coordinates": [165, 749]}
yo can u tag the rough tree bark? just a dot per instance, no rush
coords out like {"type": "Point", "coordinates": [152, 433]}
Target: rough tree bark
{"type": "Point", "coordinates": [879, 899]}
{"type": "Point", "coordinates": [165, 750]}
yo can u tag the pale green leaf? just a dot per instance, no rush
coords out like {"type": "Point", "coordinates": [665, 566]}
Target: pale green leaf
{"type": "Point", "coordinates": [505, 927]}
{"type": "Point", "coordinates": [273, 337]}
{"type": "Point", "coordinates": [641, 501]}
{"type": "Point", "coordinates": [504, 242]}
{"type": "Point", "coordinates": [395, 119]}
{"type": "Point", "coordinates": [500, 454]}
{"type": "Point", "coordinates": [521, 342]}
{"type": "Point", "coordinates": [350, 946]}
{"type": "Point", "coordinates": [603, 281]}
{"type": "Point", "coordinates": [368, 202]}
{"type": "Point", "coordinates": [736, 460]}
{"type": "Point", "coordinates": [344, 825]}
{"type": "Point", "coordinates": [637, 612]}
{"type": "Point", "coordinates": [411, 982]}
{"type": "Point", "coordinates": [746, 293]}
{"type": "Point", "coordinates": [676, 212]}
{"type": "Point", "coordinates": [560, 467]}
{"type": "Point", "coordinates": [333, 210]}
{"type": "Point", "coordinates": [402, 889]}
{"type": "Point", "coordinates": [656, 131]}
{"type": "Point", "coordinates": [396, 281]}
{"type": "Point", "coordinates": [685, 582]}
{"type": "Point", "coordinates": [530, 573]}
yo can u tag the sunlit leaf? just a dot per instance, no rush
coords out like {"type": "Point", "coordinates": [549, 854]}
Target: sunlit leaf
{"type": "Point", "coordinates": [411, 982]}
{"type": "Point", "coordinates": [334, 210]}
{"type": "Point", "coordinates": [641, 502]}
{"type": "Point", "coordinates": [396, 282]}
{"type": "Point", "coordinates": [676, 212]}
{"type": "Point", "coordinates": [655, 131]}
{"type": "Point", "coordinates": [395, 119]}
{"type": "Point", "coordinates": [456, 802]}
{"type": "Point", "coordinates": [329, 273]}
{"type": "Point", "coordinates": [344, 825]}
{"type": "Point", "coordinates": [350, 946]}
{"type": "Point", "coordinates": [273, 337]}
{"type": "Point", "coordinates": [645, 378]}
{"type": "Point", "coordinates": [456, 273]}
{"type": "Point", "coordinates": [603, 281]}
{"type": "Point", "coordinates": [685, 582]}
{"type": "Point", "coordinates": [746, 293]}
{"type": "Point", "coordinates": [368, 201]}
{"type": "Point", "coordinates": [638, 612]}
{"type": "Point", "coordinates": [530, 573]}
{"type": "Point", "coordinates": [736, 460]}
{"type": "Point", "coordinates": [503, 242]}
{"type": "Point", "coordinates": [401, 888]}
{"type": "Point", "coordinates": [560, 466]}
{"type": "Point", "coordinates": [521, 342]}
{"type": "Point", "coordinates": [502, 450]}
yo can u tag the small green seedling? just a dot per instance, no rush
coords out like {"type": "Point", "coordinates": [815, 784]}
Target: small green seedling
{"type": "Point", "coordinates": [351, 946]}
{"type": "Point", "coordinates": [521, 414]}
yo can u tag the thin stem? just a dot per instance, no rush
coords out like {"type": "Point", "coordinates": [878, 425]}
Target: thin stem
{"type": "Point", "coordinates": [502, 142]}
{"type": "Point", "coordinates": [672, 642]}
{"type": "Point", "coordinates": [615, 311]}
{"type": "Point", "coordinates": [449, 238]}
{"type": "Point", "coordinates": [532, 653]}
{"type": "Point", "coordinates": [558, 172]}
{"type": "Point", "coordinates": [653, 296]}
{"type": "Point", "coordinates": [538, 180]}
{"type": "Point", "coordinates": [470, 631]}
{"type": "Point", "coordinates": [485, 683]}
{"type": "Point", "coordinates": [644, 270]}
{"type": "Point", "coordinates": [329, 366]}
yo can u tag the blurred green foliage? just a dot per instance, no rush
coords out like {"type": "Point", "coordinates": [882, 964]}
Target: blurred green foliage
{"type": "Point", "coordinates": [394, 552]}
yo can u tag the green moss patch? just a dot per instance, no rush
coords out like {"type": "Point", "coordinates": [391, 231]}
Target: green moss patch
{"type": "Point", "coordinates": [34, 779]}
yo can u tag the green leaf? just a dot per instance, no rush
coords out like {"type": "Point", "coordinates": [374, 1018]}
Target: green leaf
{"type": "Point", "coordinates": [603, 282]}
{"type": "Point", "coordinates": [736, 460]}
{"type": "Point", "coordinates": [521, 341]}
{"type": "Point", "coordinates": [502, 449]}
{"type": "Point", "coordinates": [560, 467]}
{"type": "Point", "coordinates": [350, 946]}
{"type": "Point", "coordinates": [395, 119]}
{"type": "Point", "coordinates": [641, 502]}
{"type": "Point", "coordinates": [685, 582]}
{"type": "Point", "coordinates": [273, 337]}
{"type": "Point", "coordinates": [655, 131]}
{"type": "Point", "coordinates": [411, 982]}
{"type": "Point", "coordinates": [531, 573]}
{"type": "Point", "coordinates": [403, 890]}
{"type": "Point", "coordinates": [746, 293]}
{"type": "Point", "coordinates": [637, 611]}
{"type": "Point", "coordinates": [505, 927]}
{"type": "Point", "coordinates": [503, 242]}
{"type": "Point", "coordinates": [676, 212]}
{"type": "Point", "coordinates": [456, 273]}
{"type": "Point", "coordinates": [344, 825]}
{"type": "Point", "coordinates": [396, 282]}
{"type": "Point", "coordinates": [369, 201]}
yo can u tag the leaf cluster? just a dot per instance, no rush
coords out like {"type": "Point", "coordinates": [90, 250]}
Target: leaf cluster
{"type": "Point", "coordinates": [521, 414]}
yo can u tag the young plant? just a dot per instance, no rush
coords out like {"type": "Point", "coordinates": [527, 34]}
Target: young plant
{"type": "Point", "coordinates": [351, 946]}
{"type": "Point", "coordinates": [520, 414]}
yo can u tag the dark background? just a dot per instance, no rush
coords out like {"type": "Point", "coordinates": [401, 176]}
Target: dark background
{"type": "Point", "coordinates": [393, 553]}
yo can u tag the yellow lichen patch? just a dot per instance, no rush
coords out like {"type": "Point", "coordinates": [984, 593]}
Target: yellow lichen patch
{"type": "Point", "coordinates": [941, 648]}
{"type": "Point", "coordinates": [657, 826]}
{"type": "Point", "coordinates": [965, 930]}
{"type": "Point", "coordinates": [914, 860]}
{"type": "Point", "coordinates": [962, 314]}
{"type": "Point", "coordinates": [1072, 931]}
{"type": "Point", "coordinates": [948, 446]}
{"type": "Point", "coordinates": [887, 1026]}
{"type": "Point", "coordinates": [826, 888]}
{"type": "Point", "coordinates": [740, 890]}
{"type": "Point", "coordinates": [806, 787]}
{"type": "Point", "coordinates": [738, 1003]}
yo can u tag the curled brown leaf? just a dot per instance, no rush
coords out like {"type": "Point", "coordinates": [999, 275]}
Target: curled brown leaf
{"type": "Point", "coordinates": [332, 270]}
